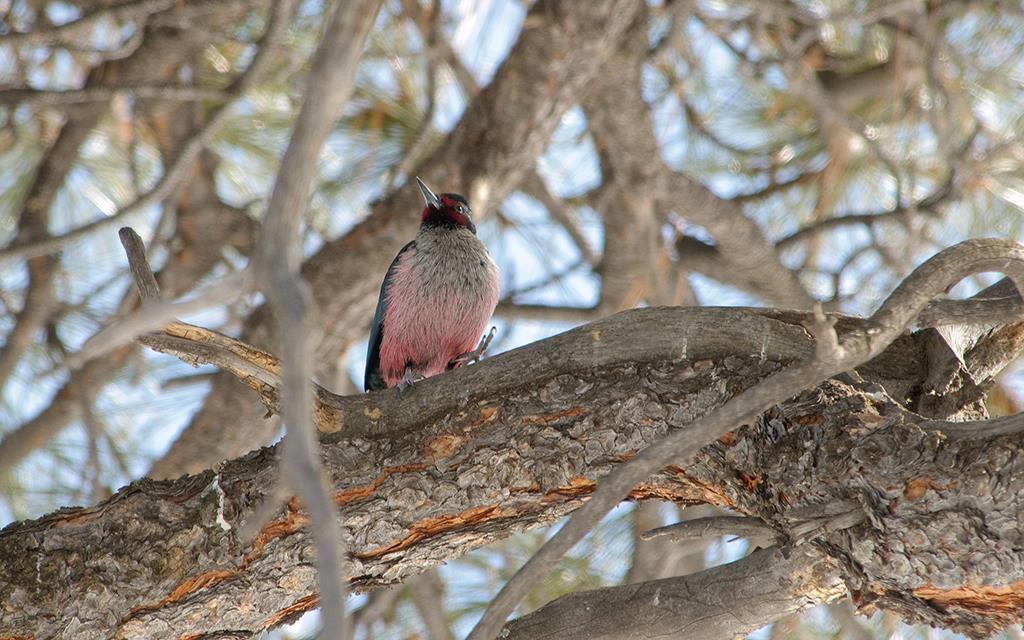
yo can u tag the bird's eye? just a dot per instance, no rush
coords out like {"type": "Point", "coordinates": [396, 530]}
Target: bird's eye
{"type": "Point", "coordinates": [462, 209]}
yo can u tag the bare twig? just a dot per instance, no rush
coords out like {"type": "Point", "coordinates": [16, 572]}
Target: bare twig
{"type": "Point", "coordinates": [929, 204]}
{"type": "Point", "coordinates": [328, 87]}
{"type": "Point", "coordinates": [152, 317]}
{"type": "Point", "coordinates": [831, 357]}
{"type": "Point", "coordinates": [562, 213]}
{"type": "Point", "coordinates": [138, 265]}
{"type": "Point", "coordinates": [412, 157]}
{"type": "Point", "coordinates": [547, 313]}
{"type": "Point", "coordinates": [417, 14]}
{"type": "Point", "coordinates": [154, 313]}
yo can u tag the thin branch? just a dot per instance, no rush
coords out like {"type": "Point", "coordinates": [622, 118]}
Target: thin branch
{"type": "Point", "coordinates": [154, 313]}
{"type": "Point", "coordinates": [413, 153]}
{"type": "Point", "coordinates": [153, 317]}
{"type": "Point", "coordinates": [547, 313]}
{"type": "Point", "coordinates": [831, 357]}
{"type": "Point", "coordinates": [138, 266]}
{"type": "Point", "coordinates": [427, 595]}
{"type": "Point", "coordinates": [330, 83]}
{"type": "Point", "coordinates": [562, 213]}
{"type": "Point", "coordinates": [417, 13]}
{"type": "Point", "coordinates": [929, 204]}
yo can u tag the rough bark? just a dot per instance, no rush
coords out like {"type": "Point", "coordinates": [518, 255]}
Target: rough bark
{"type": "Point", "coordinates": [497, 141]}
{"type": "Point", "coordinates": [466, 458]}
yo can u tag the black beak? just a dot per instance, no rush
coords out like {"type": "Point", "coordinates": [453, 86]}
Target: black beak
{"type": "Point", "coordinates": [428, 196]}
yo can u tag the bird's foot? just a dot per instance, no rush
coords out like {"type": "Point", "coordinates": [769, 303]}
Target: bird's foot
{"type": "Point", "coordinates": [474, 356]}
{"type": "Point", "coordinates": [408, 380]}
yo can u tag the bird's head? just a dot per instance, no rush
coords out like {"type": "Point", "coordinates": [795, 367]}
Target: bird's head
{"type": "Point", "coordinates": [448, 210]}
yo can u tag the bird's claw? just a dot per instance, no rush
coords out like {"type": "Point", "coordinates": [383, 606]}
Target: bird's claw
{"type": "Point", "coordinates": [408, 380]}
{"type": "Point", "coordinates": [474, 356]}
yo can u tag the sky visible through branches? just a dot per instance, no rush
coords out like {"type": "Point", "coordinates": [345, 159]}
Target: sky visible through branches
{"type": "Point", "coordinates": [737, 103]}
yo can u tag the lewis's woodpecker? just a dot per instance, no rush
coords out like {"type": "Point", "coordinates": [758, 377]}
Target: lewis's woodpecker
{"type": "Point", "coordinates": [436, 299]}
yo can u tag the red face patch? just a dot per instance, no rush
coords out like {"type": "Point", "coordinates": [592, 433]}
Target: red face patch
{"type": "Point", "coordinates": [453, 211]}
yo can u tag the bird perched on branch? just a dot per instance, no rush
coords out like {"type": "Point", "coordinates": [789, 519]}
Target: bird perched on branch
{"type": "Point", "coordinates": [436, 300]}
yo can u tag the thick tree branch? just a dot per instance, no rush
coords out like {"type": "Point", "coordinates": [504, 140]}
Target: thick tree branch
{"type": "Point", "coordinates": [634, 254]}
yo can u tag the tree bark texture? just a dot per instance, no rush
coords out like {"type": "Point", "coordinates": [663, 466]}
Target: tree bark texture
{"type": "Point", "coordinates": [521, 439]}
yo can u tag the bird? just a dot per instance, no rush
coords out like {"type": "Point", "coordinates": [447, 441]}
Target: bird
{"type": "Point", "coordinates": [436, 299]}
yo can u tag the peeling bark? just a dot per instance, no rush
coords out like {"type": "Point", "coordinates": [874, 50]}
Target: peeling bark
{"type": "Point", "coordinates": [519, 440]}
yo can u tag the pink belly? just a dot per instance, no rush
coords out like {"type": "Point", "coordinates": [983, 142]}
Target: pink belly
{"type": "Point", "coordinates": [426, 329]}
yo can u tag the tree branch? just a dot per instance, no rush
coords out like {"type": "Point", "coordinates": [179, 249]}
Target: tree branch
{"type": "Point", "coordinates": [74, 30]}
{"type": "Point", "coordinates": [751, 528]}
{"type": "Point", "coordinates": [328, 87]}
{"type": "Point", "coordinates": [53, 97]}
{"type": "Point", "coordinates": [928, 204]}
{"type": "Point", "coordinates": [728, 601]}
